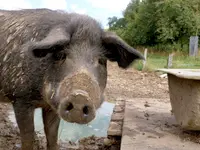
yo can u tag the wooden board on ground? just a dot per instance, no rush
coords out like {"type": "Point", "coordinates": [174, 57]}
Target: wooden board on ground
{"type": "Point", "coordinates": [115, 127]}
{"type": "Point", "coordinates": [150, 125]}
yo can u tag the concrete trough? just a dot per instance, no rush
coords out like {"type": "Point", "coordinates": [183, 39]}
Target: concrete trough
{"type": "Point", "coordinates": [184, 90]}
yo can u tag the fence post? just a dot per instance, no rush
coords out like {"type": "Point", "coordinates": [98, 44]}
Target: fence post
{"type": "Point", "coordinates": [193, 46]}
{"type": "Point", "coordinates": [169, 61]}
{"type": "Point", "coordinates": [145, 56]}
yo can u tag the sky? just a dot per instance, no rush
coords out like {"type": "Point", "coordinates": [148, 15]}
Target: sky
{"type": "Point", "coordinates": [98, 9]}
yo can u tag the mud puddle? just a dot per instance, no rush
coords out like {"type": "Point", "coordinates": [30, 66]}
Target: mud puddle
{"type": "Point", "coordinates": [74, 132]}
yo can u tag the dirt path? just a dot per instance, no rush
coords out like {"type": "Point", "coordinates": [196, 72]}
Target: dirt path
{"type": "Point", "coordinates": [134, 84]}
{"type": "Point", "coordinates": [121, 84]}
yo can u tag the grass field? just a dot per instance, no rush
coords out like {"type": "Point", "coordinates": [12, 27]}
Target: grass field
{"type": "Point", "coordinates": [157, 60]}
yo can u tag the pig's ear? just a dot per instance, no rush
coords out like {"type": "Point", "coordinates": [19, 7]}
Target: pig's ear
{"type": "Point", "coordinates": [118, 50]}
{"type": "Point", "coordinates": [55, 41]}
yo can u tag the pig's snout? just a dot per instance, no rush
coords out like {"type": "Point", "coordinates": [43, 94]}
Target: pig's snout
{"type": "Point", "coordinates": [77, 108]}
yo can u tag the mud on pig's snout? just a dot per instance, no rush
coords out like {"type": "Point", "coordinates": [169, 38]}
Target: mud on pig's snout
{"type": "Point", "coordinates": [79, 98]}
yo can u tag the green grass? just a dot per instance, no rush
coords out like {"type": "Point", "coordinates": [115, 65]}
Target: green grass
{"type": "Point", "coordinates": [159, 60]}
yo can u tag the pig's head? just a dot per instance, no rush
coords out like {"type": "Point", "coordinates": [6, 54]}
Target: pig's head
{"type": "Point", "coordinates": [75, 58]}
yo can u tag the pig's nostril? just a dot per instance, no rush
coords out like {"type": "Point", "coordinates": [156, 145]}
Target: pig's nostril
{"type": "Point", "coordinates": [86, 110]}
{"type": "Point", "coordinates": [69, 107]}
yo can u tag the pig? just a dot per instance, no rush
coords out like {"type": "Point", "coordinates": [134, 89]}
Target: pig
{"type": "Point", "coordinates": [56, 61]}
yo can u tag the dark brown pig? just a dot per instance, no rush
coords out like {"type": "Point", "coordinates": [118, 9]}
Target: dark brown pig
{"type": "Point", "coordinates": [56, 61]}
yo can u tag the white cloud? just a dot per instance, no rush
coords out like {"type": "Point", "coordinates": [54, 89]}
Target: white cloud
{"type": "Point", "coordinates": [111, 5]}
{"type": "Point", "coordinates": [75, 8]}
{"type": "Point", "coordinates": [54, 4]}
{"type": "Point", "coordinates": [14, 4]}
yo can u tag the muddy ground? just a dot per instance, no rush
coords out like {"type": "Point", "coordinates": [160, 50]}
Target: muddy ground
{"type": "Point", "coordinates": [121, 84]}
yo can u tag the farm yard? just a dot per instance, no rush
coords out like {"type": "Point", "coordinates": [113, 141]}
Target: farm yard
{"type": "Point", "coordinates": [152, 105]}
{"type": "Point", "coordinates": [138, 88]}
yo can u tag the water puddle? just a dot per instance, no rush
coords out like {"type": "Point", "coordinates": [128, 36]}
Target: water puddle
{"type": "Point", "coordinates": [74, 132]}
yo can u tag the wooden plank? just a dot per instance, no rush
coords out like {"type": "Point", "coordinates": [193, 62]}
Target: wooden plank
{"type": "Point", "coordinates": [117, 117]}
{"type": "Point", "coordinates": [145, 61]}
{"type": "Point", "coordinates": [115, 127]}
{"type": "Point", "coordinates": [183, 73]}
{"type": "Point", "coordinates": [153, 127]}
{"type": "Point", "coordinates": [193, 46]}
{"type": "Point", "coordinates": [119, 109]}
{"type": "Point", "coordinates": [170, 61]}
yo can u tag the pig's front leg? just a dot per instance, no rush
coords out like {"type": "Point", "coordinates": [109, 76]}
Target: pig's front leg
{"type": "Point", "coordinates": [24, 114]}
{"type": "Point", "coordinates": [51, 123]}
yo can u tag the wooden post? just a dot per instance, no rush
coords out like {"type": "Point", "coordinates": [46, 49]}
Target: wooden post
{"type": "Point", "coordinates": [193, 46]}
{"type": "Point", "coordinates": [169, 61]}
{"type": "Point", "coordinates": [145, 56]}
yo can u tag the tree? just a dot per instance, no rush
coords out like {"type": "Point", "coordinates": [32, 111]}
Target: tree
{"type": "Point", "coordinates": [114, 23]}
{"type": "Point", "coordinates": [159, 22]}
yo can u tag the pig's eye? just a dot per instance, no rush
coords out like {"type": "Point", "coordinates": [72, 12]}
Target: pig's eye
{"type": "Point", "coordinates": [58, 56]}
